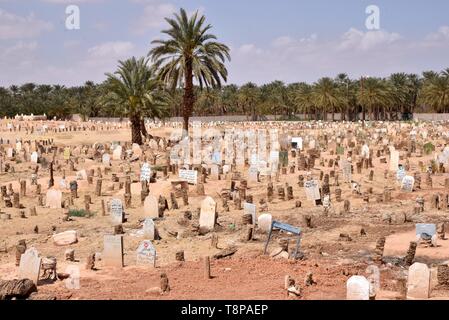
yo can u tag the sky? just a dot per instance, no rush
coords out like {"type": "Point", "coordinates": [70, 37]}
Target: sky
{"type": "Point", "coordinates": [287, 40]}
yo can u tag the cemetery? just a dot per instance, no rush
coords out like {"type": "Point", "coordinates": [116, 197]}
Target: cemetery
{"type": "Point", "coordinates": [257, 210]}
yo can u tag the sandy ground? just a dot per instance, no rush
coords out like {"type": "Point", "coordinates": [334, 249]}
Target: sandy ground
{"type": "Point", "coordinates": [246, 275]}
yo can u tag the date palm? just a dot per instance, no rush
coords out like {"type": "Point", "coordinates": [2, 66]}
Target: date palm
{"type": "Point", "coordinates": [137, 91]}
{"type": "Point", "coordinates": [435, 93]}
{"type": "Point", "coordinates": [374, 95]}
{"type": "Point", "coordinates": [189, 53]}
{"type": "Point", "coordinates": [325, 95]}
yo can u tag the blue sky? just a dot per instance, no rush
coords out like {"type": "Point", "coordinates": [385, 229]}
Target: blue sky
{"type": "Point", "coordinates": [288, 40]}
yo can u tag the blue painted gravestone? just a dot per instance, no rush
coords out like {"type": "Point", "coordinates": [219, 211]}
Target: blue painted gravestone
{"type": "Point", "coordinates": [287, 228]}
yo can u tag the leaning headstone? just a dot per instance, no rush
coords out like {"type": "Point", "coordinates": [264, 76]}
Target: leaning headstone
{"type": "Point", "coordinates": [208, 214]}
{"type": "Point", "coordinates": [113, 251]}
{"type": "Point", "coordinates": [418, 281]}
{"type": "Point", "coordinates": [116, 211]}
{"type": "Point", "coordinates": [30, 265]}
{"type": "Point", "coordinates": [357, 288]}
{"type": "Point", "coordinates": [146, 254]}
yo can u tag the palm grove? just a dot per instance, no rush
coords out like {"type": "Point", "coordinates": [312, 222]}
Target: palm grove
{"type": "Point", "coordinates": [183, 75]}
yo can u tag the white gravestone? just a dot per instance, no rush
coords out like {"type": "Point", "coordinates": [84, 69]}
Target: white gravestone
{"type": "Point", "coordinates": [145, 172]}
{"type": "Point", "coordinates": [116, 211]}
{"type": "Point", "coordinates": [151, 207]}
{"type": "Point", "coordinates": [418, 281]}
{"type": "Point", "coordinates": [34, 157]}
{"type": "Point", "coordinates": [148, 228]}
{"type": "Point", "coordinates": [312, 190]}
{"type": "Point", "coordinates": [191, 176]}
{"type": "Point", "coordinates": [146, 254]}
{"type": "Point", "coordinates": [53, 199]}
{"type": "Point", "coordinates": [73, 281]}
{"type": "Point", "coordinates": [30, 265]}
{"type": "Point", "coordinates": [264, 222]}
{"type": "Point", "coordinates": [117, 153]}
{"type": "Point", "coordinates": [407, 183]}
{"type": "Point", "coordinates": [113, 251]}
{"type": "Point", "coordinates": [357, 288]}
{"type": "Point", "coordinates": [208, 214]}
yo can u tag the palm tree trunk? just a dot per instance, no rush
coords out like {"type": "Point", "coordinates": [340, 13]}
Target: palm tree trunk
{"type": "Point", "coordinates": [136, 135]}
{"type": "Point", "coordinates": [189, 97]}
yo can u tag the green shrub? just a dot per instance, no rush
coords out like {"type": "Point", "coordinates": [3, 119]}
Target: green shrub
{"type": "Point", "coordinates": [80, 213]}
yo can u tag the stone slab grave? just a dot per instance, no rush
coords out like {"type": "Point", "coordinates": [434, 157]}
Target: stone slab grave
{"type": "Point", "coordinates": [253, 173]}
{"type": "Point", "coordinates": [357, 288]}
{"type": "Point", "coordinates": [53, 199]}
{"type": "Point", "coordinates": [30, 265]}
{"type": "Point", "coordinates": [116, 211]}
{"type": "Point", "coordinates": [214, 172]}
{"type": "Point", "coordinates": [191, 176]}
{"type": "Point", "coordinates": [208, 214]}
{"type": "Point", "coordinates": [65, 238]}
{"type": "Point", "coordinates": [418, 281]}
{"type": "Point", "coordinates": [145, 172]}
{"type": "Point", "coordinates": [151, 207]}
{"type": "Point", "coordinates": [113, 251]}
{"type": "Point", "coordinates": [426, 231]}
{"type": "Point", "coordinates": [146, 254]}
{"type": "Point", "coordinates": [148, 229]}
{"type": "Point", "coordinates": [394, 160]}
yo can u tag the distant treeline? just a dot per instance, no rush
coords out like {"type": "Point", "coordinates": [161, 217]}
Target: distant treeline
{"type": "Point", "coordinates": [381, 98]}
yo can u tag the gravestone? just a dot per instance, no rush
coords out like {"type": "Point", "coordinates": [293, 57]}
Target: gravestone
{"type": "Point", "coordinates": [30, 265]}
{"type": "Point", "coordinates": [116, 211]}
{"type": "Point", "coordinates": [253, 173]}
{"type": "Point", "coordinates": [148, 229]}
{"type": "Point", "coordinates": [113, 251]}
{"type": "Point", "coordinates": [34, 157]}
{"type": "Point", "coordinates": [426, 231]}
{"type": "Point", "coordinates": [357, 288]}
{"type": "Point", "coordinates": [407, 183]}
{"type": "Point", "coordinates": [146, 254]}
{"type": "Point", "coordinates": [117, 153]}
{"type": "Point", "coordinates": [214, 172]}
{"type": "Point", "coordinates": [312, 190]}
{"type": "Point", "coordinates": [264, 222]}
{"type": "Point", "coordinates": [66, 154]}
{"type": "Point", "coordinates": [53, 199]}
{"type": "Point", "coordinates": [73, 281]}
{"type": "Point", "coordinates": [151, 207]}
{"type": "Point", "coordinates": [191, 176]}
{"type": "Point", "coordinates": [418, 281]}
{"type": "Point", "coordinates": [106, 159]}
{"type": "Point", "coordinates": [145, 172]}
{"type": "Point", "coordinates": [394, 160]}
{"type": "Point", "coordinates": [81, 175]}
{"type": "Point", "coordinates": [250, 208]}
{"type": "Point", "coordinates": [208, 214]}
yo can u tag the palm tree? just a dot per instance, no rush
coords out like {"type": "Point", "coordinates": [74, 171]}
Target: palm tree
{"type": "Point", "coordinates": [435, 93]}
{"type": "Point", "coordinates": [248, 98]}
{"type": "Point", "coordinates": [325, 95]}
{"type": "Point", "coordinates": [135, 88]}
{"type": "Point", "coordinates": [374, 96]}
{"type": "Point", "coordinates": [190, 52]}
{"type": "Point", "coordinates": [303, 99]}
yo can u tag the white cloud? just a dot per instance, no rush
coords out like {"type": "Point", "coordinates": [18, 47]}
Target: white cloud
{"type": "Point", "coordinates": [441, 35]}
{"type": "Point", "coordinates": [111, 50]}
{"type": "Point", "coordinates": [18, 27]}
{"type": "Point", "coordinates": [358, 40]}
{"type": "Point", "coordinates": [153, 16]}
